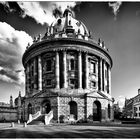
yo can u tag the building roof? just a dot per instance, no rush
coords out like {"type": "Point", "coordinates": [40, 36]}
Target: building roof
{"type": "Point", "coordinates": [68, 22]}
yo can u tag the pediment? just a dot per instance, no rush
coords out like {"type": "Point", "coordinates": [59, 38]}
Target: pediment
{"type": "Point", "coordinates": [98, 95]}
{"type": "Point", "coordinates": [45, 93]}
{"type": "Point", "coordinates": [95, 94]}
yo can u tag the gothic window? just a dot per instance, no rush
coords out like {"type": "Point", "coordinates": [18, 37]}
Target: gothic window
{"type": "Point", "coordinates": [49, 65]}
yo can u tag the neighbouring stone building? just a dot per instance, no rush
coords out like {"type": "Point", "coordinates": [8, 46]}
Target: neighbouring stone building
{"type": "Point", "coordinates": [68, 72]}
{"type": "Point", "coordinates": [136, 106]}
{"type": "Point", "coordinates": [128, 108]}
{"type": "Point", "coordinates": [132, 107]}
{"type": "Point", "coordinates": [8, 112]}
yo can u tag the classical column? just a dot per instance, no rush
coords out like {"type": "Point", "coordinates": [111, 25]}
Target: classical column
{"type": "Point", "coordinates": [35, 74]}
{"type": "Point", "coordinates": [109, 74]}
{"type": "Point", "coordinates": [57, 70]}
{"type": "Point", "coordinates": [39, 73]}
{"type": "Point", "coordinates": [80, 70]}
{"type": "Point", "coordinates": [65, 70]}
{"type": "Point", "coordinates": [27, 78]}
{"type": "Point", "coordinates": [103, 78]}
{"type": "Point", "coordinates": [100, 78]}
{"type": "Point", "coordinates": [87, 71]}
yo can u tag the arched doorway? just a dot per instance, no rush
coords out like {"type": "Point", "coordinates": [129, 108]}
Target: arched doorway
{"type": "Point", "coordinates": [29, 109]}
{"type": "Point", "coordinates": [46, 107]}
{"type": "Point", "coordinates": [109, 111]}
{"type": "Point", "coordinates": [96, 111]}
{"type": "Point", "coordinates": [73, 109]}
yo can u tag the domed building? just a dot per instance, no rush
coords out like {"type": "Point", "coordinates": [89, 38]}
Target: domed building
{"type": "Point", "coordinates": [69, 73]}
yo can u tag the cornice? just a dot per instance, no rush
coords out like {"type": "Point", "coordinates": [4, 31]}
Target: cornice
{"type": "Point", "coordinates": [61, 44]}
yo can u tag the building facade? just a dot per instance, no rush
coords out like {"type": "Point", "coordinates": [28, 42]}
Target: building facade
{"type": "Point", "coordinates": [68, 72]}
{"type": "Point", "coordinates": [128, 108]}
{"type": "Point", "coordinates": [8, 112]}
{"type": "Point", "coordinates": [136, 106]}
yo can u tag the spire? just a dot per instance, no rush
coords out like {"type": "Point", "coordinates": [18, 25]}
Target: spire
{"type": "Point", "coordinates": [19, 99]}
{"type": "Point", "coordinates": [11, 101]}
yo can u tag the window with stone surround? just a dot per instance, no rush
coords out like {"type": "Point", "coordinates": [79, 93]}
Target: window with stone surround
{"type": "Point", "coordinates": [105, 73]}
{"type": "Point", "coordinates": [72, 83]}
{"type": "Point", "coordinates": [72, 64]}
{"type": "Point", "coordinates": [48, 65]}
{"type": "Point", "coordinates": [92, 67]}
{"type": "Point", "coordinates": [32, 70]}
{"type": "Point", "coordinates": [93, 84]}
{"type": "Point", "coordinates": [48, 82]}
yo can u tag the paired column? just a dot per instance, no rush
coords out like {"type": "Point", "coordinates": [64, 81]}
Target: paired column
{"type": "Point", "coordinates": [35, 74]}
{"type": "Point", "coordinates": [100, 74]}
{"type": "Point", "coordinates": [39, 73]}
{"type": "Point", "coordinates": [109, 74]}
{"type": "Point", "coordinates": [57, 70]}
{"type": "Point", "coordinates": [103, 76]}
{"type": "Point", "coordinates": [65, 70]}
{"type": "Point", "coordinates": [80, 69]}
{"type": "Point", "coordinates": [27, 79]}
{"type": "Point", "coordinates": [87, 71]}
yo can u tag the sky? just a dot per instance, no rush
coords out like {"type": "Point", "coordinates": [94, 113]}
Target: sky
{"type": "Point", "coordinates": [116, 23]}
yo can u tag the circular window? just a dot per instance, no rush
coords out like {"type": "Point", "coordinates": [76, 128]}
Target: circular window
{"type": "Point", "coordinates": [59, 21]}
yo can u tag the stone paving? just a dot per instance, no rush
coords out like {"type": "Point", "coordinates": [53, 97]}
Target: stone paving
{"type": "Point", "coordinates": [69, 131]}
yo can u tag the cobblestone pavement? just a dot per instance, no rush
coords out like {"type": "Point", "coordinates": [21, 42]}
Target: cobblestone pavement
{"type": "Point", "coordinates": [69, 131]}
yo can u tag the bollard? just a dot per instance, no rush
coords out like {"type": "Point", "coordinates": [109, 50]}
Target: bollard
{"type": "Point", "coordinates": [18, 121]}
{"type": "Point", "coordinates": [12, 124]}
{"type": "Point", "coordinates": [25, 124]}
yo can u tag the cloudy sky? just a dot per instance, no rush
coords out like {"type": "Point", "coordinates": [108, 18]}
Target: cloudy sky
{"type": "Point", "coordinates": [118, 24]}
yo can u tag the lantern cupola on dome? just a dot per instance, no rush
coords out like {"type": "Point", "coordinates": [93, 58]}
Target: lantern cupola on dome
{"type": "Point", "coordinates": [67, 26]}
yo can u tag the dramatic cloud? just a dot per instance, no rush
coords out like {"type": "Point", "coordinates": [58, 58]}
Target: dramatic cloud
{"type": "Point", "coordinates": [12, 46]}
{"type": "Point", "coordinates": [121, 101]}
{"type": "Point", "coordinates": [42, 12]}
{"type": "Point", "coordinates": [115, 7]}
{"type": "Point", "coordinates": [11, 76]}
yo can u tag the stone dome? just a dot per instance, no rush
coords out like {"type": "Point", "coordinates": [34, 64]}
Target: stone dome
{"type": "Point", "coordinates": [68, 24]}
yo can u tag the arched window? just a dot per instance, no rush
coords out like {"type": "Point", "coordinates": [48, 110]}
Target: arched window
{"type": "Point", "coordinates": [73, 109]}
{"type": "Point", "coordinates": [29, 109]}
{"type": "Point", "coordinates": [46, 107]}
{"type": "Point", "coordinates": [96, 111]}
